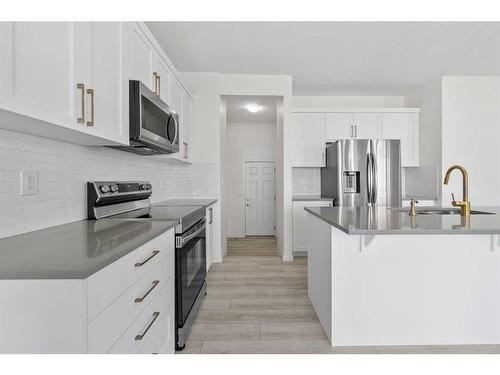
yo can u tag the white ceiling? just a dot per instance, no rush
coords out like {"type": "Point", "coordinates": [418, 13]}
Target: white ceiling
{"type": "Point", "coordinates": [236, 112]}
{"type": "Point", "coordinates": [336, 57]}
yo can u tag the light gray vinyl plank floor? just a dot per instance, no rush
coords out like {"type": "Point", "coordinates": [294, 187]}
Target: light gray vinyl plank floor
{"type": "Point", "coordinates": [258, 304]}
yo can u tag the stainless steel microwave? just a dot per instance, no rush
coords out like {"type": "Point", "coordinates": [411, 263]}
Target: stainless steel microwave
{"type": "Point", "coordinates": [154, 128]}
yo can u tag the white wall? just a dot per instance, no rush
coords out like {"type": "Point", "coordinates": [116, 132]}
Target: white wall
{"type": "Point", "coordinates": [244, 142]}
{"type": "Point", "coordinates": [206, 139]}
{"type": "Point", "coordinates": [63, 171]}
{"type": "Point", "coordinates": [471, 136]}
{"type": "Point", "coordinates": [429, 99]}
{"type": "Point", "coordinates": [280, 207]}
{"type": "Point", "coordinates": [347, 101]}
{"type": "Point", "coordinates": [223, 185]}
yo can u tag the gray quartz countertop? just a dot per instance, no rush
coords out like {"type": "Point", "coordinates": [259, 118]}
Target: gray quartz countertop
{"type": "Point", "coordinates": [383, 220]}
{"type": "Point", "coordinates": [311, 198]}
{"type": "Point", "coordinates": [74, 250]}
{"type": "Point", "coordinates": [186, 202]}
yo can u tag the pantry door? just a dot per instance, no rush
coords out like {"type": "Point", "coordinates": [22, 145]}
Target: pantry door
{"type": "Point", "coordinates": [260, 199]}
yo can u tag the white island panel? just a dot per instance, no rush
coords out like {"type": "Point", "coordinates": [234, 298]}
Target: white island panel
{"type": "Point", "coordinates": [404, 289]}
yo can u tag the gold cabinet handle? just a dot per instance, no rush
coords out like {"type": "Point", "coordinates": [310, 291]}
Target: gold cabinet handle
{"type": "Point", "coordinates": [81, 86]}
{"type": "Point", "coordinates": [158, 84]}
{"type": "Point", "coordinates": [140, 264]}
{"type": "Point", "coordinates": [156, 314]}
{"type": "Point", "coordinates": [91, 93]}
{"type": "Point", "coordinates": [155, 78]}
{"type": "Point", "coordinates": [140, 299]}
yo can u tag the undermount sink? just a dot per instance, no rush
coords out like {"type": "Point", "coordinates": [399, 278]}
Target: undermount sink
{"type": "Point", "coordinates": [446, 211]}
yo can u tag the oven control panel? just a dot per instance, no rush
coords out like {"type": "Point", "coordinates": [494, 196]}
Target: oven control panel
{"type": "Point", "coordinates": [112, 188]}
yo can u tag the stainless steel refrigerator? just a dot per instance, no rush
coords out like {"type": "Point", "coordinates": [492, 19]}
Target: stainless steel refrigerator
{"type": "Point", "coordinates": [365, 172]}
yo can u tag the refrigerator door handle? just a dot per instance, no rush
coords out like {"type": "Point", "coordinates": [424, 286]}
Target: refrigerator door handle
{"type": "Point", "coordinates": [374, 179]}
{"type": "Point", "coordinates": [369, 171]}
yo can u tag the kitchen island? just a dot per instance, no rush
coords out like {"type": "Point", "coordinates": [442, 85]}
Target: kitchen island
{"type": "Point", "coordinates": [378, 276]}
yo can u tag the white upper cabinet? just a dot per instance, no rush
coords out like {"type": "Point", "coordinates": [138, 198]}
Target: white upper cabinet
{"type": "Point", "coordinates": [39, 65]}
{"type": "Point", "coordinates": [67, 80]}
{"type": "Point", "coordinates": [365, 125]}
{"type": "Point", "coordinates": [383, 123]}
{"type": "Point", "coordinates": [187, 120]}
{"type": "Point", "coordinates": [308, 146]}
{"type": "Point", "coordinates": [345, 125]}
{"type": "Point", "coordinates": [403, 126]}
{"type": "Point", "coordinates": [338, 126]}
{"type": "Point", "coordinates": [176, 97]}
{"type": "Point", "coordinates": [141, 57]}
{"type": "Point", "coordinates": [162, 77]}
{"type": "Point", "coordinates": [149, 65]}
{"type": "Point", "coordinates": [106, 80]}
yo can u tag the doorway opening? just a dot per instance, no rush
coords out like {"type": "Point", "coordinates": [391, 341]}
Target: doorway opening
{"type": "Point", "coordinates": [251, 157]}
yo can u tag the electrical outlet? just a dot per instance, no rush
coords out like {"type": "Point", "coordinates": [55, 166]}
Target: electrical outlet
{"type": "Point", "coordinates": [29, 183]}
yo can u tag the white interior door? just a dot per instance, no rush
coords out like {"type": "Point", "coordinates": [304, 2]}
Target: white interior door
{"type": "Point", "coordinates": [259, 199]}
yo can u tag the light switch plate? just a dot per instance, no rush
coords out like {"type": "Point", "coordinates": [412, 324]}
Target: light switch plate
{"type": "Point", "coordinates": [29, 183]}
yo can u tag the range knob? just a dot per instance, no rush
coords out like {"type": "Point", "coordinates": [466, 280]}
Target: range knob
{"type": "Point", "coordinates": [104, 189]}
{"type": "Point", "coordinates": [113, 188]}
{"type": "Point", "coordinates": [145, 186]}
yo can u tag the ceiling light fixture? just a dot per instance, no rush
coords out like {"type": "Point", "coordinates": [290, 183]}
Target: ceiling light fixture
{"type": "Point", "coordinates": [253, 107]}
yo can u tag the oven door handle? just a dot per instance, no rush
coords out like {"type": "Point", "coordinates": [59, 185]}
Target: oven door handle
{"type": "Point", "coordinates": [185, 239]}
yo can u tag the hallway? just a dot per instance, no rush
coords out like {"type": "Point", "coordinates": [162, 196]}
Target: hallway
{"type": "Point", "coordinates": [256, 303]}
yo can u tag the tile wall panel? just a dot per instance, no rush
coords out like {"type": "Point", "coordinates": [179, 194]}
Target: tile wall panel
{"type": "Point", "coordinates": [306, 181]}
{"type": "Point", "coordinates": [63, 170]}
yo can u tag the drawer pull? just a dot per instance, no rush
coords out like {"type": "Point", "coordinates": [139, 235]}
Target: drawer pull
{"type": "Point", "coordinates": [140, 264]}
{"type": "Point", "coordinates": [81, 86]}
{"type": "Point", "coordinates": [140, 299]}
{"type": "Point", "coordinates": [91, 93]}
{"type": "Point", "coordinates": [141, 336]}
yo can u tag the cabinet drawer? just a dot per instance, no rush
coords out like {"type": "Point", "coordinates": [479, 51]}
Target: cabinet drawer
{"type": "Point", "coordinates": [147, 325]}
{"type": "Point", "coordinates": [110, 282]}
{"type": "Point", "coordinates": [109, 325]}
{"type": "Point", "coordinates": [162, 339]}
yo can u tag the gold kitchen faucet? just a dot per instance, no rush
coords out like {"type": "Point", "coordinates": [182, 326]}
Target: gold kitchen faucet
{"type": "Point", "coordinates": [464, 204]}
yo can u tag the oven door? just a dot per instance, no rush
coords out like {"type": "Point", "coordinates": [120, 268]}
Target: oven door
{"type": "Point", "coordinates": [190, 263]}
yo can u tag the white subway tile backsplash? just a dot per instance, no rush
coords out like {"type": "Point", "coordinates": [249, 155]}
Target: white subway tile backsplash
{"type": "Point", "coordinates": [421, 182]}
{"type": "Point", "coordinates": [63, 171]}
{"type": "Point", "coordinates": [306, 181]}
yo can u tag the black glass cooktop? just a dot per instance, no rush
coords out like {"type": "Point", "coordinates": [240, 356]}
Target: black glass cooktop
{"type": "Point", "coordinates": [185, 215]}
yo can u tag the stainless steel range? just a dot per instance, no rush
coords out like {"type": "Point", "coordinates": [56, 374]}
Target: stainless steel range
{"type": "Point", "coordinates": [130, 201]}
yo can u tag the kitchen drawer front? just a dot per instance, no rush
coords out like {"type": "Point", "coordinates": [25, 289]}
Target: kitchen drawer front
{"type": "Point", "coordinates": [112, 281]}
{"type": "Point", "coordinates": [110, 324]}
{"type": "Point", "coordinates": [162, 340]}
{"type": "Point", "coordinates": [148, 323]}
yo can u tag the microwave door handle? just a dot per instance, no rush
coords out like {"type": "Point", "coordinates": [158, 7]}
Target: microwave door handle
{"type": "Point", "coordinates": [176, 130]}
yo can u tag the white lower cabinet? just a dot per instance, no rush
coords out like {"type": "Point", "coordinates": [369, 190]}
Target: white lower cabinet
{"type": "Point", "coordinates": [300, 222]}
{"type": "Point", "coordinates": [126, 307]}
{"type": "Point", "coordinates": [210, 212]}
{"type": "Point", "coordinates": [148, 326]}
